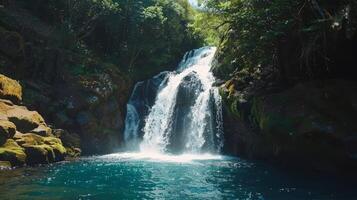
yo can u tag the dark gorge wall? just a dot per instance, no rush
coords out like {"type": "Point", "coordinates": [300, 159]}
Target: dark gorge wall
{"type": "Point", "coordinates": [290, 89]}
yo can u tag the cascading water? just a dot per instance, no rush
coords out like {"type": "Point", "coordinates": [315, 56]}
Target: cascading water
{"type": "Point", "coordinates": [177, 112]}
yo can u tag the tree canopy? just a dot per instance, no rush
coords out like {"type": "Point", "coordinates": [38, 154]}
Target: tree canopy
{"type": "Point", "coordinates": [253, 33]}
{"type": "Point", "coordinates": [143, 37]}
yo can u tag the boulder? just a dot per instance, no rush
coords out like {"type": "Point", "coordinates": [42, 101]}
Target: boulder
{"type": "Point", "coordinates": [12, 153]}
{"type": "Point", "coordinates": [71, 141]}
{"type": "Point", "coordinates": [7, 130]}
{"type": "Point", "coordinates": [41, 150]}
{"type": "Point", "coordinates": [24, 119]}
{"type": "Point", "coordinates": [5, 165]}
{"type": "Point", "coordinates": [42, 130]}
{"type": "Point", "coordinates": [10, 89]}
{"type": "Point", "coordinates": [68, 139]}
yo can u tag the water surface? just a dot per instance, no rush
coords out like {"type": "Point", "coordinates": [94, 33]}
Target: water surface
{"type": "Point", "coordinates": [140, 176]}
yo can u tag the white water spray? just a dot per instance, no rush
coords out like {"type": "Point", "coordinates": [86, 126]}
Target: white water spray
{"type": "Point", "coordinates": [186, 115]}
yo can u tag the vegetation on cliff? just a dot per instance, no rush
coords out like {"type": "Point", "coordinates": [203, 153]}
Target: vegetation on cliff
{"type": "Point", "coordinates": [277, 59]}
{"type": "Point", "coordinates": [77, 60]}
{"type": "Point", "coordinates": [141, 37]}
{"type": "Point", "coordinates": [302, 39]}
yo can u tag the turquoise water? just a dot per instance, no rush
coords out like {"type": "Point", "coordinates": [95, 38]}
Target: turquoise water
{"type": "Point", "coordinates": [132, 176]}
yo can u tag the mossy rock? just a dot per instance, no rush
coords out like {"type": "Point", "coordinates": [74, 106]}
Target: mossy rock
{"type": "Point", "coordinates": [24, 119]}
{"type": "Point", "coordinates": [13, 153]}
{"type": "Point", "coordinates": [68, 139]}
{"type": "Point", "coordinates": [42, 130]}
{"type": "Point", "coordinates": [41, 150]}
{"type": "Point", "coordinates": [5, 165]}
{"type": "Point", "coordinates": [10, 89]}
{"type": "Point", "coordinates": [7, 130]}
{"type": "Point", "coordinates": [73, 152]}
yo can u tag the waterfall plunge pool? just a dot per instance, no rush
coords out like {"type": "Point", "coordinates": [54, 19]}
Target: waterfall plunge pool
{"type": "Point", "coordinates": [140, 176]}
{"type": "Point", "coordinates": [174, 122]}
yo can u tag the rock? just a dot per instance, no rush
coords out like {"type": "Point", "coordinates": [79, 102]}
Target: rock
{"type": "Point", "coordinates": [71, 141]}
{"type": "Point", "coordinates": [311, 125]}
{"type": "Point", "coordinates": [68, 139]}
{"type": "Point", "coordinates": [100, 84]}
{"type": "Point", "coordinates": [12, 43]}
{"type": "Point", "coordinates": [86, 120]}
{"type": "Point", "coordinates": [41, 150]}
{"type": "Point", "coordinates": [62, 120]}
{"type": "Point", "coordinates": [7, 131]}
{"type": "Point", "coordinates": [42, 131]}
{"type": "Point", "coordinates": [73, 152]}
{"type": "Point", "coordinates": [13, 153]}
{"type": "Point", "coordinates": [10, 89]}
{"type": "Point", "coordinates": [5, 165]}
{"type": "Point", "coordinates": [24, 119]}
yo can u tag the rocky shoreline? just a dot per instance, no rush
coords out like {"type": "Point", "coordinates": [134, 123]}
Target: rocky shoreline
{"type": "Point", "coordinates": [25, 137]}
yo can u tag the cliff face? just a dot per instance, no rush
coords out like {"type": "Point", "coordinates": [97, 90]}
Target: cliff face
{"type": "Point", "coordinates": [83, 96]}
{"type": "Point", "coordinates": [309, 126]}
{"type": "Point", "coordinates": [290, 91]}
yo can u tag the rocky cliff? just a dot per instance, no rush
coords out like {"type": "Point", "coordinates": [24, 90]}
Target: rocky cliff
{"type": "Point", "coordinates": [310, 125]}
{"type": "Point", "coordinates": [81, 95]}
{"type": "Point", "coordinates": [25, 138]}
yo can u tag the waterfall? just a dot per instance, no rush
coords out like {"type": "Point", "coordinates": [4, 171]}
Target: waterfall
{"type": "Point", "coordinates": [177, 112]}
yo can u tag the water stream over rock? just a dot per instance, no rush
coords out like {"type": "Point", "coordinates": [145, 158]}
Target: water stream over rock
{"type": "Point", "coordinates": [177, 112]}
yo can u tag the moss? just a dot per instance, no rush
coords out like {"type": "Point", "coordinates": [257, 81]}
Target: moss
{"type": "Point", "coordinates": [5, 165]}
{"type": "Point", "coordinates": [223, 93]}
{"type": "Point", "coordinates": [258, 117]}
{"type": "Point", "coordinates": [24, 119]}
{"type": "Point", "coordinates": [10, 89]}
{"type": "Point", "coordinates": [271, 123]}
{"type": "Point", "coordinates": [73, 152]}
{"type": "Point", "coordinates": [41, 149]}
{"type": "Point", "coordinates": [234, 108]}
{"type": "Point", "coordinates": [13, 153]}
{"type": "Point", "coordinates": [55, 143]}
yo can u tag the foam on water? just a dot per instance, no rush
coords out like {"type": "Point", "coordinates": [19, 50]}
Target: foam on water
{"type": "Point", "coordinates": [159, 157]}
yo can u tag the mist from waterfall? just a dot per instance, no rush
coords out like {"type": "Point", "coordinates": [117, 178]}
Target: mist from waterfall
{"type": "Point", "coordinates": [177, 112]}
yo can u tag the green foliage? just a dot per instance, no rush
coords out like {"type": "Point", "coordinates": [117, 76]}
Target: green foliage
{"type": "Point", "coordinates": [258, 33]}
{"type": "Point", "coordinates": [143, 37]}
{"type": "Point", "coordinates": [209, 26]}
{"type": "Point", "coordinates": [254, 28]}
